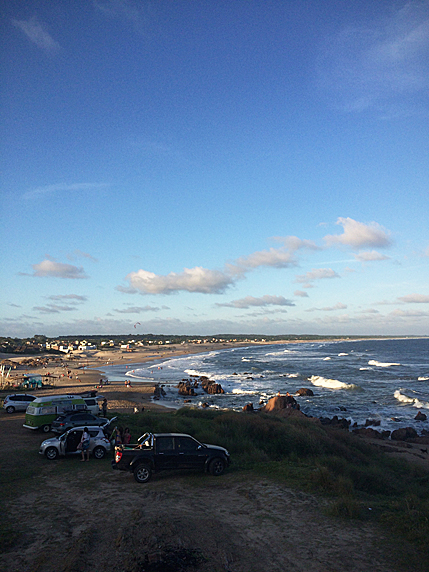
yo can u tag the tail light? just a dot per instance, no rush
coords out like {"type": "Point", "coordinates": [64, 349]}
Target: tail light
{"type": "Point", "coordinates": [118, 456]}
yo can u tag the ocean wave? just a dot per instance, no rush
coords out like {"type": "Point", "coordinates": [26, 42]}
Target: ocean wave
{"type": "Point", "coordinates": [320, 381]}
{"type": "Point", "coordinates": [381, 364]}
{"type": "Point", "coordinates": [343, 354]}
{"type": "Point", "coordinates": [422, 378]}
{"type": "Point", "coordinates": [414, 401]}
{"type": "Point", "coordinates": [244, 392]}
{"type": "Point", "coordinates": [326, 358]}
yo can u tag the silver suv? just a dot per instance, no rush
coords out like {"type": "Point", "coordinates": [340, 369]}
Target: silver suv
{"type": "Point", "coordinates": [67, 443]}
{"type": "Point", "coordinates": [17, 402]}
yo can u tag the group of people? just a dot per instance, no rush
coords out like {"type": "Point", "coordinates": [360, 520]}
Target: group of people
{"type": "Point", "coordinates": [121, 436]}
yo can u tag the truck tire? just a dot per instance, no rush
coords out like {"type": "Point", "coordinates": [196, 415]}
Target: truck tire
{"type": "Point", "coordinates": [46, 428]}
{"type": "Point", "coordinates": [142, 473]}
{"type": "Point", "coordinates": [217, 467]}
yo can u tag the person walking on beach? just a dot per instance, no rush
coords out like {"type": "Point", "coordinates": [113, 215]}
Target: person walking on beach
{"type": "Point", "coordinates": [84, 442]}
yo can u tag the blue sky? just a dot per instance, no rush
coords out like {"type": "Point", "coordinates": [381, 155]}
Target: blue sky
{"type": "Point", "coordinates": [206, 167]}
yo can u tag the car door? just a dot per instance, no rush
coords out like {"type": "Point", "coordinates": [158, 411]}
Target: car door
{"type": "Point", "coordinates": [73, 439]}
{"type": "Point", "coordinates": [191, 454]}
{"type": "Point", "coordinates": [166, 454]}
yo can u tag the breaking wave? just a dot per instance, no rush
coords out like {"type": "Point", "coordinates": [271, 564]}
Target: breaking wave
{"type": "Point", "coordinates": [320, 381]}
{"type": "Point", "coordinates": [381, 364]}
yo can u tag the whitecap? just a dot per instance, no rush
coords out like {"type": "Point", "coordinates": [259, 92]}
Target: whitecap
{"type": "Point", "coordinates": [422, 378]}
{"type": "Point", "coordinates": [343, 354]}
{"type": "Point", "coordinates": [326, 358]}
{"type": "Point", "coordinates": [320, 381]}
{"type": "Point", "coordinates": [414, 401]}
{"type": "Point", "coordinates": [381, 364]}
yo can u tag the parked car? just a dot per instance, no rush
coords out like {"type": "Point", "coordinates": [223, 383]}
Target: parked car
{"type": "Point", "coordinates": [17, 402]}
{"type": "Point", "coordinates": [67, 443]}
{"type": "Point", "coordinates": [71, 419]}
{"type": "Point", "coordinates": [161, 451]}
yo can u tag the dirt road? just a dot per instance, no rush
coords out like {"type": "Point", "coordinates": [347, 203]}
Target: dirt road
{"type": "Point", "coordinates": [76, 516]}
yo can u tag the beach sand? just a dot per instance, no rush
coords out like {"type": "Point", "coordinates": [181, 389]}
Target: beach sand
{"type": "Point", "coordinates": [79, 373]}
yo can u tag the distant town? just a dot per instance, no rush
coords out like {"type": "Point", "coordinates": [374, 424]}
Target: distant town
{"type": "Point", "coordinates": [39, 344]}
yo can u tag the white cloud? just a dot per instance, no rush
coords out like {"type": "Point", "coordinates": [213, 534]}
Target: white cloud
{"type": "Point", "coordinates": [300, 293]}
{"type": "Point", "coordinates": [293, 243]}
{"type": "Point", "coordinates": [357, 234]}
{"type": "Point", "coordinates": [415, 299]}
{"type": "Point", "coordinates": [52, 269]}
{"type": "Point", "coordinates": [316, 274]}
{"type": "Point", "coordinates": [274, 258]}
{"type": "Point", "coordinates": [372, 256]}
{"type": "Point", "coordinates": [138, 309]}
{"type": "Point", "coordinates": [72, 298]}
{"type": "Point", "coordinates": [250, 301]}
{"type": "Point", "coordinates": [338, 306]}
{"type": "Point", "coordinates": [196, 279]}
{"type": "Point", "coordinates": [37, 33]}
{"type": "Point", "coordinates": [54, 309]}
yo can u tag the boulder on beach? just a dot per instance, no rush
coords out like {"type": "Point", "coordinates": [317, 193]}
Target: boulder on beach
{"type": "Point", "coordinates": [305, 391]}
{"type": "Point", "coordinates": [403, 434]}
{"type": "Point", "coordinates": [284, 406]}
{"type": "Point", "coordinates": [421, 416]}
{"type": "Point", "coordinates": [248, 407]}
{"type": "Point", "coordinates": [371, 433]}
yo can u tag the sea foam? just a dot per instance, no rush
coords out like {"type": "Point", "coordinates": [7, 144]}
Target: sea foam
{"type": "Point", "coordinates": [381, 364]}
{"type": "Point", "coordinates": [320, 381]}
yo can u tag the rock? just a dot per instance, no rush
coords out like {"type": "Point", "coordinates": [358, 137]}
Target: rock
{"type": "Point", "coordinates": [374, 422]}
{"type": "Point", "coordinates": [211, 386]}
{"type": "Point", "coordinates": [403, 434]}
{"type": "Point", "coordinates": [280, 402]}
{"type": "Point", "coordinates": [185, 388]}
{"type": "Point", "coordinates": [371, 433]}
{"type": "Point", "coordinates": [248, 407]}
{"type": "Point", "coordinates": [305, 391]}
{"type": "Point", "coordinates": [421, 416]}
{"type": "Point", "coordinates": [335, 422]}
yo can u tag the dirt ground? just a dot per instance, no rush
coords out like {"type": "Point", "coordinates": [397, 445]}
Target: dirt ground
{"type": "Point", "coordinates": [85, 517]}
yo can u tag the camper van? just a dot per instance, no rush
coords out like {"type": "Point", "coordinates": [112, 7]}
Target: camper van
{"type": "Point", "coordinates": [43, 410]}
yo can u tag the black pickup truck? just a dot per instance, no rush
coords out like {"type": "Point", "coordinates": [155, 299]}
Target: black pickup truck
{"type": "Point", "coordinates": [161, 451]}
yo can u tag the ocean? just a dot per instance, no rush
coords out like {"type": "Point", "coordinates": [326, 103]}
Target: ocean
{"type": "Point", "coordinates": [385, 380]}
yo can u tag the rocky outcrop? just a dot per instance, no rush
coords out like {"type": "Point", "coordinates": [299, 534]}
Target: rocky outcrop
{"type": "Point", "coordinates": [185, 388]}
{"type": "Point", "coordinates": [371, 433]}
{"type": "Point", "coordinates": [280, 402]}
{"type": "Point", "coordinates": [373, 422]}
{"type": "Point", "coordinates": [248, 407]}
{"type": "Point", "coordinates": [403, 434]}
{"type": "Point", "coordinates": [305, 391]}
{"type": "Point", "coordinates": [341, 423]}
{"type": "Point", "coordinates": [421, 416]}
{"type": "Point", "coordinates": [211, 386]}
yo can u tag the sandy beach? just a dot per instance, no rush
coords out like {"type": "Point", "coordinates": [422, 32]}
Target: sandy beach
{"type": "Point", "coordinates": [79, 372]}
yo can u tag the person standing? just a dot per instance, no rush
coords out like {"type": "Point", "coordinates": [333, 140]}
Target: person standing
{"type": "Point", "coordinates": [85, 444]}
{"type": "Point", "coordinates": [104, 407]}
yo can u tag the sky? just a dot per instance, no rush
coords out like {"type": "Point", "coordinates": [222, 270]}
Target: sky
{"type": "Point", "coordinates": [200, 167]}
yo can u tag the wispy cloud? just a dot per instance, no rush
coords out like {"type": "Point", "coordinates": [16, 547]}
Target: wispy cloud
{"type": "Point", "coordinates": [133, 12]}
{"type": "Point", "coordinates": [338, 306]}
{"type": "Point", "coordinates": [79, 254]}
{"type": "Point", "coordinates": [49, 190]}
{"type": "Point", "coordinates": [38, 34]}
{"type": "Point", "coordinates": [138, 309]}
{"type": "Point", "coordinates": [316, 274]}
{"type": "Point", "coordinates": [415, 299]}
{"type": "Point", "coordinates": [250, 301]}
{"type": "Point", "coordinates": [71, 298]}
{"type": "Point", "coordinates": [54, 309]}
{"type": "Point", "coordinates": [372, 256]}
{"type": "Point", "coordinates": [359, 235]}
{"type": "Point", "coordinates": [380, 64]}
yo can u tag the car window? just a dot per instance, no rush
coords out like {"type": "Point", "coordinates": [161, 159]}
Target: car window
{"type": "Point", "coordinates": [165, 444]}
{"type": "Point", "coordinates": [80, 417]}
{"type": "Point", "coordinates": [94, 433]}
{"type": "Point", "coordinates": [186, 444]}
